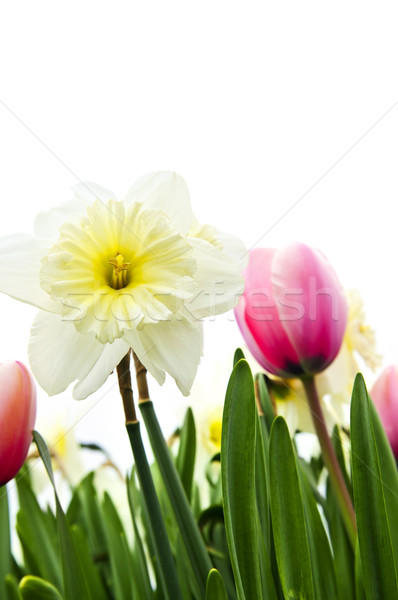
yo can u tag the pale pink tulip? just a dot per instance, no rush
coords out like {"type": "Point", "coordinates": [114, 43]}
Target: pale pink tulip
{"type": "Point", "coordinates": [293, 311]}
{"type": "Point", "coordinates": [384, 394]}
{"type": "Point", "coordinates": [17, 417]}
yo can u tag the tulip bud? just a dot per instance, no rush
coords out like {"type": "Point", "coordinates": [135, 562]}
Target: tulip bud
{"type": "Point", "coordinates": [293, 312]}
{"type": "Point", "coordinates": [384, 394]}
{"type": "Point", "coordinates": [17, 417]}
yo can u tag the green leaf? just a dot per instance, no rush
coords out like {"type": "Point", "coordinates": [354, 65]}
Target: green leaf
{"type": "Point", "coordinates": [12, 588]}
{"type": "Point", "coordinates": [195, 547]}
{"type": "Point", "coordinates": [5, 542]}
{"type": "Point", "coordinates": [75, 584]}
{"type": "Point", "coordinates": [290, 534]}
{"type": "Point", "coordinates": [185, 461]}
{"type": "Point", "coordinates": [237, 357]}
{"type": "Point", "coordinates": [89, 565]}
{"type": "Point", "coordinates": [238, 447]}
{"type": "Point", "coordinates": [377, 557]}
{"type": "Point", "coordinates": [35, 529]}
{"type": "Point", "coordinates": [344, 559]}
{"type": "Point", "coordinates": [265, 399]}
{"type": "Point", "coordinates": [215, 588]}
{"type": "Point", "coordinates": [320, 553]}
{"type": "Point", "coordinates": [35, 588]}
{"type": "Point", "coordinates": [119, 552]}
{"type": "Point", "coordinates": [389, 477]}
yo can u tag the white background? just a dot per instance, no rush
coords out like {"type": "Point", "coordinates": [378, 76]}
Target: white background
{"type": "Point", "coordinates": [281, 116]}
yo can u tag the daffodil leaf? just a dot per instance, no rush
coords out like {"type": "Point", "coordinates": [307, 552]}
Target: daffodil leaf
{"type": "Point", "coordinates": [320, 552]}
{"type": "Point", "coordinates": [375, 544]}
{"type": "Point", "coordinates": [215, 588]}
{"type": "Point", "coordinates": [35, 529]}
{"type": "Point", "coordinates": [35, 588]}
{"type": "Point", "coordinates": [195, 547]}
{"type": "Point", "coordinates": [75, 584]}
{"type": "Point", "coordinates": [238, 448]}
{"type": "Point", "coordinates": [12, 588]}
{"type": "Point", "coordinates": [288, 519]}
{"type": "Point", "coordinates": [90, 568]}
{"type": "Point", "coordinates": [344, 559]}
{"type": "Point", "coordinates": [185, 461]}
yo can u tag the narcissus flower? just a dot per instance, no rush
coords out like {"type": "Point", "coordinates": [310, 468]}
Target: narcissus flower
{"type": "Point", "coordinates": [17, 417]}
{"type": "Point", "coordinates": [293, 312]}
{"type": "Point", "coordinates": [111, 275]}
{"type": "Point", "coordinates": [384, 394]}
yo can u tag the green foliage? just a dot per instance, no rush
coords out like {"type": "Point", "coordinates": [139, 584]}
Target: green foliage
{"type": "Point", "coordinates": [271, 529]}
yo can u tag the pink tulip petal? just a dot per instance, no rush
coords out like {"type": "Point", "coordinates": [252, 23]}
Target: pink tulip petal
{"type": "Point", "coordinates": [384, 394]}
{"type": "Point", "coordinates": [262, 316]}
{"type": "Point", "coordinates": [17, 417]}
{"type": "Point", "coordinates": [311, 304]}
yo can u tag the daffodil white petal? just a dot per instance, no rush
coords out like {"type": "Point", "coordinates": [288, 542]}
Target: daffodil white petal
{"type": "Point", "coordinates": [234, 248]}
{"type": "Point", "coordinates": [172, 346]}
{"type": "Point", "coordinates": [58, 354]}
{"type": "Point", "coordinates": [88, 192]}
{"type": "Point", "coordinates": [20, 257]}
{"type": "Point", "coordinates": [111, 356]}
{"type": "Point", "coordinates": [219, 282]}
{"type": "Point", "coordinates": [165, 191]}
{"type": "Point", "coordinates": [48, 222]}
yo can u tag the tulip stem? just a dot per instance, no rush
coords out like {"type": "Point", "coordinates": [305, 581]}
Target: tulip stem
{"type": "Point", "coordinates": [157, 529]}
{"type": "Point", "coordinates": [330, 460]}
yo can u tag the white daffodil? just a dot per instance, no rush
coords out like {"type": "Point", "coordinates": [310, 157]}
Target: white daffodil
{"type": "Point", "coordinates": [110, 275]}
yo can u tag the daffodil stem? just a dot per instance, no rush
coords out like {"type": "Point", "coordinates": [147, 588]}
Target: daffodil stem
{"type": "Point", "coordinates": [158, 533]}
{"type": "Point", "coordinates": [192, 538]}
{"type": "Point", "coordinates": [330, 460]}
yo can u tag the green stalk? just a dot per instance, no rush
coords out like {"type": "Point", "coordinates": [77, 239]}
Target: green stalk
{"type": "Point", "coordinates": [193, 541]}
{"type": "Point", "coordinates": [330, 460]}
{"type": "Point", "coordinates": [164, 557]}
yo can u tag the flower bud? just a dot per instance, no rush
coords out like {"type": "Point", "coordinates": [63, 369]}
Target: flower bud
{"type": "Point", "coordinates": [384, 394]}
{"type": "Point", "coordinates": [17, 417]}
{"type": "Point", "coordinates": [293, 312]}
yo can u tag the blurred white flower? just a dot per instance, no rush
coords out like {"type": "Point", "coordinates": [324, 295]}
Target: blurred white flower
{"type": "Point", "coordinates": [110, 275]}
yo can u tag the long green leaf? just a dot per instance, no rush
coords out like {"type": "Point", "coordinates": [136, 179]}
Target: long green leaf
{"type": "Point", "coordinates": [238, 447]}
{"type": "Point", "coordinates": [377, 557]}
{"type": "Point", "coordinates": [185, 461]}
{"type": "Point", "coordinates": [75, 584]}
{"type": "Point", "coordinates": [323, 573]}
{"type": "Point", "coordinates": [190, 533]}
{"type": "Point", "coordinates": [35, 588]}
{"type": "Point", "coordinates": [290, 534]}
{"type": "Point", "coordinates": [215, 588]}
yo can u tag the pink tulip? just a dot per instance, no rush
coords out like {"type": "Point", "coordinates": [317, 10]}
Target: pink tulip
{"type": "Point", "coordinates": [384, 394]}
{"type": "Point", "coordinates": [293, 312]}
{"type": "Point", "coordinates": [17, 417]}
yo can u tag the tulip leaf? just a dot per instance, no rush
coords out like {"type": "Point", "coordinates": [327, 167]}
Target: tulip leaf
{"type": "Point", "coordinates": [215, 588]}
{"type": "Point", "coordinates": [12, 588]}
{"type": "Point", "coordinates": [264, 399]}
{"type": "Point", "coordinates": [289, 527]}
{"type": "Point", "coordinates": [237, 357]}
{"type": "Point", "coordinates": [375, 544]}
{"type": "Point", "coordinates": [75, 584]}
{"type": "Point", "coordinates": [35, 588]}
{"type": "Point", "coordinates": [185, 461]}
{"type": "Point", "coordinates": [238, 447]}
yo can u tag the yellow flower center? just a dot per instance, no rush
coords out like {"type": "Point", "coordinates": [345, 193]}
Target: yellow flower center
{"type": "Point", "coordinates": [119, 274]}
{"type": "Point", "coordinates": [215, 432]}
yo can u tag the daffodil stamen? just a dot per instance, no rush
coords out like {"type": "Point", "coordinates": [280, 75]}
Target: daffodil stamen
{"type": "Point", "coordinates": [119, 274]}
